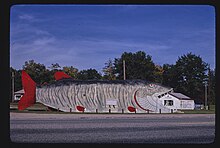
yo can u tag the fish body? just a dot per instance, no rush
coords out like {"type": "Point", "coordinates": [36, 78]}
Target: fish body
{"type": "Point", "coordinates": [120, 96]}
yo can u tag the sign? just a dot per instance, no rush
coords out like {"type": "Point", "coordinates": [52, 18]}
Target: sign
{"type": "Point", "coordinates": [111, 102]}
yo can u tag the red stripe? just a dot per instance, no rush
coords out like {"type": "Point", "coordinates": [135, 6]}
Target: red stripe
{"type": "Point", "coordinates": [138, 103]}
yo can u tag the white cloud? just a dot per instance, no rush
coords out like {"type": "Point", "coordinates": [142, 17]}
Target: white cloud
{"type": "Point", "coordinates": [91, 42]}
{"type": "Point", "coordinates": [26, 17]}
{"type": "Point", "coordinates": [43, 41]}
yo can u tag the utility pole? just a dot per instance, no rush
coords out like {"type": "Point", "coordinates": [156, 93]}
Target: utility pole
{"type": "Point", "coordinates": [206, 107]}
{"type": "Point", "coordinates": [124, 69]}
{"type": "Point", "coordinates": [13, 76]}
{"type": "Point", "coordinates": [209, 83]}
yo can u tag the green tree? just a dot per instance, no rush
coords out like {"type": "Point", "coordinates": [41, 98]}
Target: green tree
{"type": "Point", "coordinates": [55, 67]}
{"type": "Point", "coordinates": [158, 74]}
{"type": "Point", "coordinates": [138, 66]}
{"type": "Point", "coordinates": [90, 74]}
{"type": "Point", "coordinates": [17, 79]}
{"type": "Point", "coordinates": [169, 75]}
{"type": "Point", "coordinates": [51, 71]}
{"type": "Point", "coordinates": [71, 71]}
{"type": "Point", "coordinates": [109, 71]}
{"type": "Point", "coordinates": [37, 72]}
{"type": "Point", "coordinates": [190, 74]}
{"type": "Point", "coordinates": [211, 86]}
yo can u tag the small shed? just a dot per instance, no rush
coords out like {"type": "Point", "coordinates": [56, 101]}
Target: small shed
{"type": "Point", "coordinates": [18, 95]}
{"type": "Point", "coordinates": [177, 101]}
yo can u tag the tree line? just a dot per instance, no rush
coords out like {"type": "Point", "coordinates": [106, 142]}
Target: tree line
{"type": "Point", "coordinates": [188, 75]}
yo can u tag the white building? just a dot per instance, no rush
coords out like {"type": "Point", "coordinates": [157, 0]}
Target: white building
{"type": "Point", "coordinates": [177, 101]}
{"type": "Point", "coordinates": [18, 95]}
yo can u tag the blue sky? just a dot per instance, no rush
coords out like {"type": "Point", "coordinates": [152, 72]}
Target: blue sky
{"type": "Point", "coordinates": [87, 36]}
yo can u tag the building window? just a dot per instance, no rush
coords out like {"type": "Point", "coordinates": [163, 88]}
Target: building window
{"type": "Point", "coordinates": [168, 102]}
{"type": "Point", "coordinates": [181, 104]}
{"type": "Point", "coordinates": [17, 97]}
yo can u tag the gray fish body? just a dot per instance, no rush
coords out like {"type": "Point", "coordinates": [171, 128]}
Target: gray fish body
{"type": "Point", "coordinates": [102, 96]}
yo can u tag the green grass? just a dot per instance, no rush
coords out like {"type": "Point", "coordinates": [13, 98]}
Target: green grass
{"type": "Point", "coordinates": [199, 111]}
{"type": "Point", "coordinates": [35, 107]}
{"type": "Point", "coordinates": [60, 112]}
{"type": "Point", "coordinates": [212, 107]}
{"type": "Point", "coordinates": [40, 108]}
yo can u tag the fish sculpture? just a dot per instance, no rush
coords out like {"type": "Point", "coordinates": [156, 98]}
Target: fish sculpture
{"type": "Point", "coordinates": [69, 95]}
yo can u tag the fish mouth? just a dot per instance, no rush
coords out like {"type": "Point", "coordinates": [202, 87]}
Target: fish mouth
{"type": "Point", "coordinates": [143, 103]}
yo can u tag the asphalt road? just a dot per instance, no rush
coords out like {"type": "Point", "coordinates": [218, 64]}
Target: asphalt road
{"type": "Point", "coordinates": [112, 128]}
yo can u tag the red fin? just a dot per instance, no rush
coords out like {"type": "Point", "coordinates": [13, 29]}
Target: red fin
{"type": "Point", "coordinates": [131, 109]}
{"type": "Point", "coordinates": [28, 99]}
{"type": "Point", "coordinates": [80, 108]}
{"type": "Point", "coordinates": [61, 75]}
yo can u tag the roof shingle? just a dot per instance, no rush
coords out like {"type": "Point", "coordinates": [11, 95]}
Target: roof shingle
{"type": "Point", "coordinates": [180, 96]}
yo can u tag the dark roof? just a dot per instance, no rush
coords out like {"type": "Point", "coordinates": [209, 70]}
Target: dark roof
{"type": "Point", "coordinates": [68, 81]}
{"type": "Point", "coordinates": [20, 91]}
{"type": "Point", "coordinates": [180, 96]}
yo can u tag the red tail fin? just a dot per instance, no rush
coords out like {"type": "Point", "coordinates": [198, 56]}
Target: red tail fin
{"type": "Point", "coordinates": [60, 75]}
{"type": "Point", "coordinates": [29, 86]}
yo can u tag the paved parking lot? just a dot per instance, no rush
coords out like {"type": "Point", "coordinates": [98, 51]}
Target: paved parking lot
{"type": "Point", "coordinates": [112, 128]}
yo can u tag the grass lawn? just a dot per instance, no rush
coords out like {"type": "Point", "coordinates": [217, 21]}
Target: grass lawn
{"type": "Point", "coordinates": [40, 108]}
{"type": "Point", "coordinates": [198, 111]}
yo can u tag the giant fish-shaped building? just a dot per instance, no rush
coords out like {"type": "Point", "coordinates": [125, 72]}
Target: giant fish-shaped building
{"type": "Point", "coordinates": [69, 95]}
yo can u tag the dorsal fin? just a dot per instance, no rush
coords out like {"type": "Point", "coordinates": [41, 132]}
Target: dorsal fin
{"type": "Point", "coordinates": [61, 75]}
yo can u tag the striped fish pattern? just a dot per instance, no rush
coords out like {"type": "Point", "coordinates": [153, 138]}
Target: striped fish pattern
{"type": "Point", "coordinates": [102, 96]}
